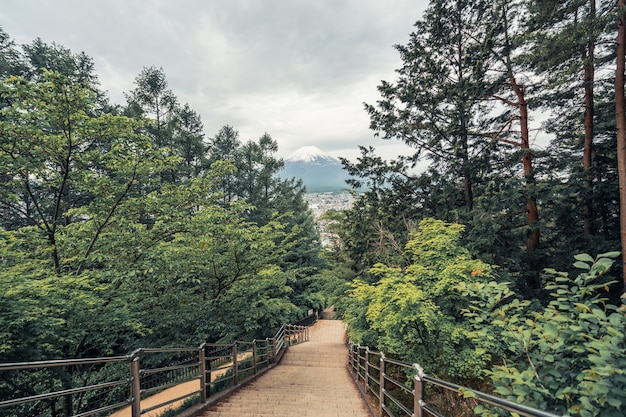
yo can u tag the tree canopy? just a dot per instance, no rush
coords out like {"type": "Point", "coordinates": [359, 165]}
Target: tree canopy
{"type": "Point", "coordinates": [119, 229]}
{"type": "Point", "coordinates": [128, 225]}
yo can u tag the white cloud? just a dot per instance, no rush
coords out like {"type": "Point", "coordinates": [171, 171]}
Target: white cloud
{"type": "Point", "coordinates": [299, 70]}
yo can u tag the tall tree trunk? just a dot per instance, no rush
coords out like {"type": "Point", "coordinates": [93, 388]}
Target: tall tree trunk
{"type": "Point", "coordinates": [620, 121]}
{"type": "Point", "coordinates": [532, 212]}
{"type": "Point", "coordinates": [532, 241]}
{"type": "Point", "coordinates": [466, 169]}
{"type": "Point", "coordinates": [468, 193]}
{"type": "Point", "coordinates": [54, 253]}
{"type": "Point", "coordinates": [589, 71]}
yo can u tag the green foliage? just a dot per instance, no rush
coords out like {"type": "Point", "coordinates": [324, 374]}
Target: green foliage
{"type": "Point", "coordinates": [463, 57]}
{"type": "Point", "coordinates": [414, 313]}
{"type": "Point", "coordinates": [435, 104]}
{"type": "Point", "coordinates": [102, 253]}
{"type": "Point", "coordinates": [119, 232]}
{"type": "Point", "coordinates": [70, 177]}
{"type": "Point", "coordinates": [565, 358]}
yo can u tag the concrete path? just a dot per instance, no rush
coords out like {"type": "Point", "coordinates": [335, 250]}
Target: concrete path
{"type": "Point", "coordinates": [311, 380]}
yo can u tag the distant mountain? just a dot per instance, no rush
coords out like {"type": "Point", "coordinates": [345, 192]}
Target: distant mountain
{"type": "Point", "coordinates": [319, 171]}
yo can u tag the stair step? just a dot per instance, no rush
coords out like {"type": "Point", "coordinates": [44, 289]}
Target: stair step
{"type": "Point", "coordinates": [312, 380]}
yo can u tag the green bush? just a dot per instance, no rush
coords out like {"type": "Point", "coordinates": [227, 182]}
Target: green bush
{"type": "Point", "coordinates": [567, 358]}
{"type": "Point", "coordinates": [414, 314]}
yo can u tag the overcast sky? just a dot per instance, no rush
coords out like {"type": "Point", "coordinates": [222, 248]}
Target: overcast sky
{"type": "Point", "coordinates": [299, 70]}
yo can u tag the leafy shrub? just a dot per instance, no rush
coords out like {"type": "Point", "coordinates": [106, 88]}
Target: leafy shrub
{"type": "Point", "coordinates": [414, 314]}
{"type": "Point", "coordinates": [566, 358]}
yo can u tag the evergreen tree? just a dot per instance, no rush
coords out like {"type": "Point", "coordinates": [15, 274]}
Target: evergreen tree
{"type": "Point", "coordinates": [434, 105]}
{"type": "Point", "coordinates": [620, 116]}
{"type": "Point", "coordinates": [153, 100]}
{"type": "Point", "coordinates": [40, 56]}
{"type": "Point", "coordinates": [567, 45]}
{"type": "Point", "coordinates": [177, 130]}
{"type": "Point", "coordinates": [10, 58]}
{"type": "Point", "coordinates": [564, 39]}
{"type": "Point", "coordinates": [225, 146]}
{"type": "Point", "coordinates": [188, 143]}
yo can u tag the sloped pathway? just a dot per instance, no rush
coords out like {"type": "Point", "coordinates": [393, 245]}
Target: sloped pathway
{"type": "Point", "coordinates": [311, 380]}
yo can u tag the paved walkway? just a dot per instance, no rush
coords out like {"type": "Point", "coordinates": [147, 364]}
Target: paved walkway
{"type": "Point", "coordinates": [311, 380]}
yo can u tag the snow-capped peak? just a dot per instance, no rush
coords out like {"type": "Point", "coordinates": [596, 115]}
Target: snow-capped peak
{"type": "Point", "coordinates": [310, 154]}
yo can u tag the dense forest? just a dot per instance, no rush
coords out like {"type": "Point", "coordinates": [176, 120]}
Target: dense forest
{"type": "Point", "coordinates": [498, 263]}
{"type": "Point", "coordinates": [123, 226]}
{"type": "Point", "coordinates": [496, 266]}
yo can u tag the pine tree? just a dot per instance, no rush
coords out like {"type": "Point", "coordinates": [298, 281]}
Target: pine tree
{"type": "Point", "coordinates": [620, 117]}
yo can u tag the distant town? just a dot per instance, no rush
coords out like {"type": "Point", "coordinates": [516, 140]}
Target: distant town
{"type": "Point", "coordinates": [320, 203]}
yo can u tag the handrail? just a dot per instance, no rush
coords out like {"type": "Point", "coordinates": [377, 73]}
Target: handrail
{"type": "Point", "coordinates": [379, 377]}
{"type": "Point", "coordinates": [217, 366]}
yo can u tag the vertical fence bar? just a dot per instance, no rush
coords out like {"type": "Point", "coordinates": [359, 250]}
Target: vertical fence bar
{"type": "Point", "coordinates": [361, 359]}
{"type": "Point", "coordinates": [367, 368]}
{"type": "Point", "coordinates": [254, 358]}
{"type": "Point", "coordinates": [202, 360]}
{"type": "Point", "coordinates": [349, 361]}
{"type": "Point", "coordinates": [381, 404]}
{"type": "Point", "coordinates": [235, 366]}
{"type": "Point", "coordinates": [209, 376]}
{"type": "Point", "coordinates": [135, 384]}
{"type": "Point", "coordinates": [357, 360]}
{"type": "Point", "coordinates": [418, 391]}
{"type": "Point", "coordinates": [358, 363]}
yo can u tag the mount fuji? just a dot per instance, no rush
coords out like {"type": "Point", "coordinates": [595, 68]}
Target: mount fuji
{"type": "Point", "coordinates": [319, 171]}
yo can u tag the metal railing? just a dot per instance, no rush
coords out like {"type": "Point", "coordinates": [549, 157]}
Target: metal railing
{"type": "Point", "coordinates": [99, 386]}
{"type": "Point", "coordinates": [395, 388]}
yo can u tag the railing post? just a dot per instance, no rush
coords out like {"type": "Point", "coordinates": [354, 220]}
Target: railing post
{"type": "Point", "coordinates": [235, 366]}
{"type": "Point", "coordinates": [367, 367]}
{"type": "Point", "coordinates": [381, 404]}
{"type": "Point", "coordinates": [418, 391]}
{"type": "Point", "coordinates": [273, 350]}
{"type": "Point", "coordinates": [135, 384]}
{"type": "Point", "coordinates": [254, 358]}
{"type": "Point", "coordinates": [350, 357]}
{"type": "Point", "coordinates": [202, 360]}
{"type": "Point", "coordinates": [358, 362]}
